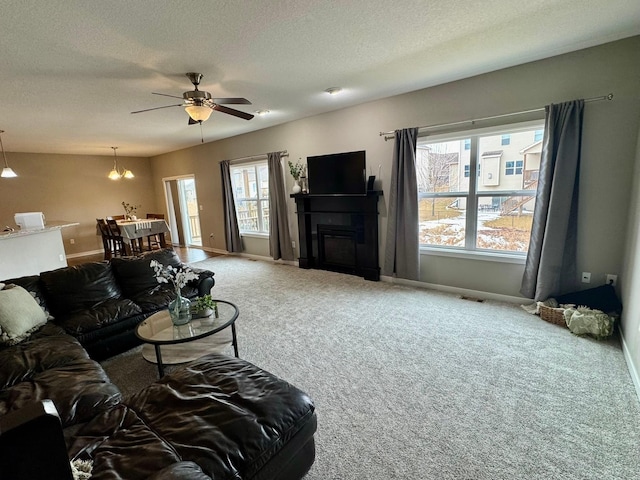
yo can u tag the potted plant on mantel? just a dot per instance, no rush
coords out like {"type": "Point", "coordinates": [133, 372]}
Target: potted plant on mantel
{"type": "Point", "coordinates": [203, 307]}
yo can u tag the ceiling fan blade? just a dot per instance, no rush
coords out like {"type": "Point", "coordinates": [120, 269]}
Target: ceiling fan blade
{"type": "Point", "coordinates": [232, 111]}
{"type": "Point", "coordinates": [165, 95]}
{"type": "Point", "coordinates": [231, 101]}
{"type": "Point", "coordinates": [157, 108]}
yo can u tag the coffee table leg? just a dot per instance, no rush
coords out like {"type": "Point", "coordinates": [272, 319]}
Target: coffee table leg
{"type": "Point", "coordinates": [235, 340]}
{"type": "Point", "coordinates": [159, 360]}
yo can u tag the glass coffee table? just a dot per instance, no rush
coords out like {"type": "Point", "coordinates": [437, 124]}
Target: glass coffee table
{"type": "Point", "coordinates": [187, 342]}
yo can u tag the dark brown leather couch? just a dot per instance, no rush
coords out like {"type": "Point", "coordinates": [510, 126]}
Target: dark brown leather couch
{"type": "Point", "coordinates": [101, 303]}
{"type": "Point", "coordinates": [218, 417]}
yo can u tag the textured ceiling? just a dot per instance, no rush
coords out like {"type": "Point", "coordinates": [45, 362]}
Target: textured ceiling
{"type": "Point", "coordinates": [71, 71]}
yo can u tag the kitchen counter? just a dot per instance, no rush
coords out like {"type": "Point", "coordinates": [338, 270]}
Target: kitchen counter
{"type": "Point", "coordinates": [32, 251]}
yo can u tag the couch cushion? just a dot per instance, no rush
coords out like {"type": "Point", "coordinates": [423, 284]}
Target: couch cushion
{"type": "Point", "coordinates": [228, 416]}
{"type": "Point", "coordinates": [78, 288]}
{"type": "Point", "coordinates": [48, 347]}
{"type": "Point", "coordinates": [135, 275]}
{"type": "Point", "coordinates": [20, 314]}
{"type": "Point", "coordinates": [96, 317]}
{"type": "Point", "coordinates": [138, 280]}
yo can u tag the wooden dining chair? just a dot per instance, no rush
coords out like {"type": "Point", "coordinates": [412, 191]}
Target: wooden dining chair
{"type": "Point", "coordinates": [119, 248]}
{"type": "Point", "coordinates": [106, 238]}
{"type": "Point", "coordinates": [153, 240]}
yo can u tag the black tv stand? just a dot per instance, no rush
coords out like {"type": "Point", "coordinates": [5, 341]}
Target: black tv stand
{"type": "Point", "coordinates": [339, 232]}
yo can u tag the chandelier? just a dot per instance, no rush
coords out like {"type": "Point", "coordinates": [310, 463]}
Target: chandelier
{"type": "Point", "coordinates": [116, 174]}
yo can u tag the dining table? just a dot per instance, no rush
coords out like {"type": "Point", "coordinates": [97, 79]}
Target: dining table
{"type": "Point", "coordinates": [135, 231]}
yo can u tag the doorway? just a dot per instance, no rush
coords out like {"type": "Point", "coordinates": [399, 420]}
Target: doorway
{"type": "Point", "coordinates": [182, 206]}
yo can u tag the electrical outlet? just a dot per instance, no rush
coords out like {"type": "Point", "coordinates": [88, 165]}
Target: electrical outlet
{"type": "Point", "coordinates": [293, 244]}
{"type": "Point", "coordinates": [586, 277]}
{"type": "Point", "coordinates": [72, 241]}
{"type": "Point", "coordinates": [612, 279]}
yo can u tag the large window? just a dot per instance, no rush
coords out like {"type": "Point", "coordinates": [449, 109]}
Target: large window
{"type": "Point", "coordinates": [251, 192]}
{"type": "Point", "coordinates": [492, 211]}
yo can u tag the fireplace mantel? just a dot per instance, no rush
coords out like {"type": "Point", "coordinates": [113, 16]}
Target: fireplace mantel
{"type": "Point", "coordinates": [339, 233]}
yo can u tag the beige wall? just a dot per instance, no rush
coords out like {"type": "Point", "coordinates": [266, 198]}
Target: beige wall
{"type": "Point", "coordinates": [74, 188]}
{"type": "Point", "coordinates": [610, 132]}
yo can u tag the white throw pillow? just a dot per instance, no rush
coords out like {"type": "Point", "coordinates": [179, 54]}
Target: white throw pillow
{"type": "Point", "coordinates": [20, 315]}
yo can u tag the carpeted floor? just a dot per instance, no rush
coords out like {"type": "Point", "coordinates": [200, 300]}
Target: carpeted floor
{"type": "Point", "coordinates": [417, 384]}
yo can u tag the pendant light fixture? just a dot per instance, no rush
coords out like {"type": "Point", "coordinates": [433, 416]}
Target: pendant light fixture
{"type": "Point", "coordinates": [115, 174]}
{"type": "Point", "coordinates": [7, 172]}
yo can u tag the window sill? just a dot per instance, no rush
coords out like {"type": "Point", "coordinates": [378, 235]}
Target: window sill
{"type": "Point", "coordinates": [254, 235]}
{"type": "Point", "coordinates": [475, 255]}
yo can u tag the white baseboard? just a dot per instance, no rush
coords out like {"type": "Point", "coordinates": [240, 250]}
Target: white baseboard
{"type": "Point", "coordinates": [265, 259]}
{"type": "Point", "coordinates": [630, 366]}
{"type": "Point", "coordinates": [84, 254]}
{"type": "Point", "coordinates": [458, 291]}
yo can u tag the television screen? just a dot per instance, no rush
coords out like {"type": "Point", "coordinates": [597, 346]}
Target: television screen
{"type": "Point", "coordinates": [338, 173]}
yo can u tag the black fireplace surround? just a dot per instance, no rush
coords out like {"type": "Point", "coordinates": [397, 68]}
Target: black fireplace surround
{"type": "Point", "coordinates": [339, 233]}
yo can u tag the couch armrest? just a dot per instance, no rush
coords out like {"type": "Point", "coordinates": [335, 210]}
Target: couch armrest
{"type": "Point", "coordinates": [32, 445]}
{"type": "Point", "coordinates": [205, 281]}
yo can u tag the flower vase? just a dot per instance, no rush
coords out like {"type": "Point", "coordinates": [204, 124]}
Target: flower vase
{"type": "Point", "coordinates": [180, 309]}
{"type": "Point", "coordinates": [296, 187]}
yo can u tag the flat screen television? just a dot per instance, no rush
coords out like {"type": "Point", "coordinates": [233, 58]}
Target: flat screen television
{"type": "Point", "coordinates": [337, 174]}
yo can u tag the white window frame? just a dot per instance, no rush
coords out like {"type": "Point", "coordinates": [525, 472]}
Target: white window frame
{"type": "Point", "coordinates": [258, 198]}
{"type": "Point", "coordinates": [470, 250]}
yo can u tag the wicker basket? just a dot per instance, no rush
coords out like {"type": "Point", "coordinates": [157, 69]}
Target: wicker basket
{"type": "Point", "coordinates": [553, 315]}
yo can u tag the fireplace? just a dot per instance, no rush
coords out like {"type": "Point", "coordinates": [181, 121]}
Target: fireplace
{"type": "Point", "coordinates": [339, 233]}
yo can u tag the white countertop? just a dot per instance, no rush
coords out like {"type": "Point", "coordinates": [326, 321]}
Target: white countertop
{"type": "Point", "coordinates": [54, 225]}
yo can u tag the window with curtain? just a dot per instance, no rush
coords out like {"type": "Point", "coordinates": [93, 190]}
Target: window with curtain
{"type": "Point", "coordinates": [250, 182]}
{"type": "Point", "coordinates": [490, 212]}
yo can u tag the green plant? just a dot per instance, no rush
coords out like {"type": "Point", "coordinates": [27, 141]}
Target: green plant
{"type": "Point", "coordinates": [203, 303]}
{"type": "Point", "coordinates": [296, 170]}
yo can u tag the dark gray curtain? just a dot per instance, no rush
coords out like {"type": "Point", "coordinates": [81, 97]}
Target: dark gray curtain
{"type": "Point", "coordinates": [402, 252]}
{"type": "Point", "coordinates": [550, 268]}
{"type": "Point", "coordinates": [231, 230]}
{"type": "Point", "coordinates": [279, 236]}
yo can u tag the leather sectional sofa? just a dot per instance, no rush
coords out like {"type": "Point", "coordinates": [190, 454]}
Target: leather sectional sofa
{"type": "Point", "coordinates": [215, 418]}
{"type": "Point", "coordinates": [100, 303]}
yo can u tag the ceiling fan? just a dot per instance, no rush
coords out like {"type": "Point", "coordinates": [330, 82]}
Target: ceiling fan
{"type": "Point", "coordinates": [199, 104]}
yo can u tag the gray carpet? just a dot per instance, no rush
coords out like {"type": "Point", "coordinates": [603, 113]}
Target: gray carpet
{"type": "Point", "coordinates": [417, 384]}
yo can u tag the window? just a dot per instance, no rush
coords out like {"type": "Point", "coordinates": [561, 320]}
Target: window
{"type": "Point", "coordinates": [514, 167]}
{"type": "Point", "coordinates": [250, 184]}
{"type": "Point", "coordinates": [538, 135]}
{"type": "Point", "coordinates": [490, 212]}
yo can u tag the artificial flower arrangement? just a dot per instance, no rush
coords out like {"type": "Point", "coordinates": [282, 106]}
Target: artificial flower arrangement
{"type": "Point", "coordinates": [130, 210]}
{"type": "Point", "coordinates": [179, 277]}
{"type": "Point", "coordinates": [297, 170]}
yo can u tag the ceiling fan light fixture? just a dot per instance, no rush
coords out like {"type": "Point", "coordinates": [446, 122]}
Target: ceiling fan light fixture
{"type": "Point", "coordinates": [128, 174]}
{"type": "Point", "coordinates": [198, 113]}
{"type": "Point", "coordinates": [7, 172]}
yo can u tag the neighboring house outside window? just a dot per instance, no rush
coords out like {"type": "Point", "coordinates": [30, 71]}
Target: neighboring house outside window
{"type": "Point", "coordinates": [506, 139]}
{"type": "Point", "coordinates": [250, 182]}
{"type": "Point", "coordinates": [514, 167]}
{"type": "Point", "coordinates": [538, 135]}
{"type": "Point", "coordinates": [494, 210]}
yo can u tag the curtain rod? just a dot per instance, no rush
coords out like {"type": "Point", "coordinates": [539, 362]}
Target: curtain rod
{"type": "Point", "coordinates": [463, 122]}
{"type": "Point", "coordinates": [255, 157]}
